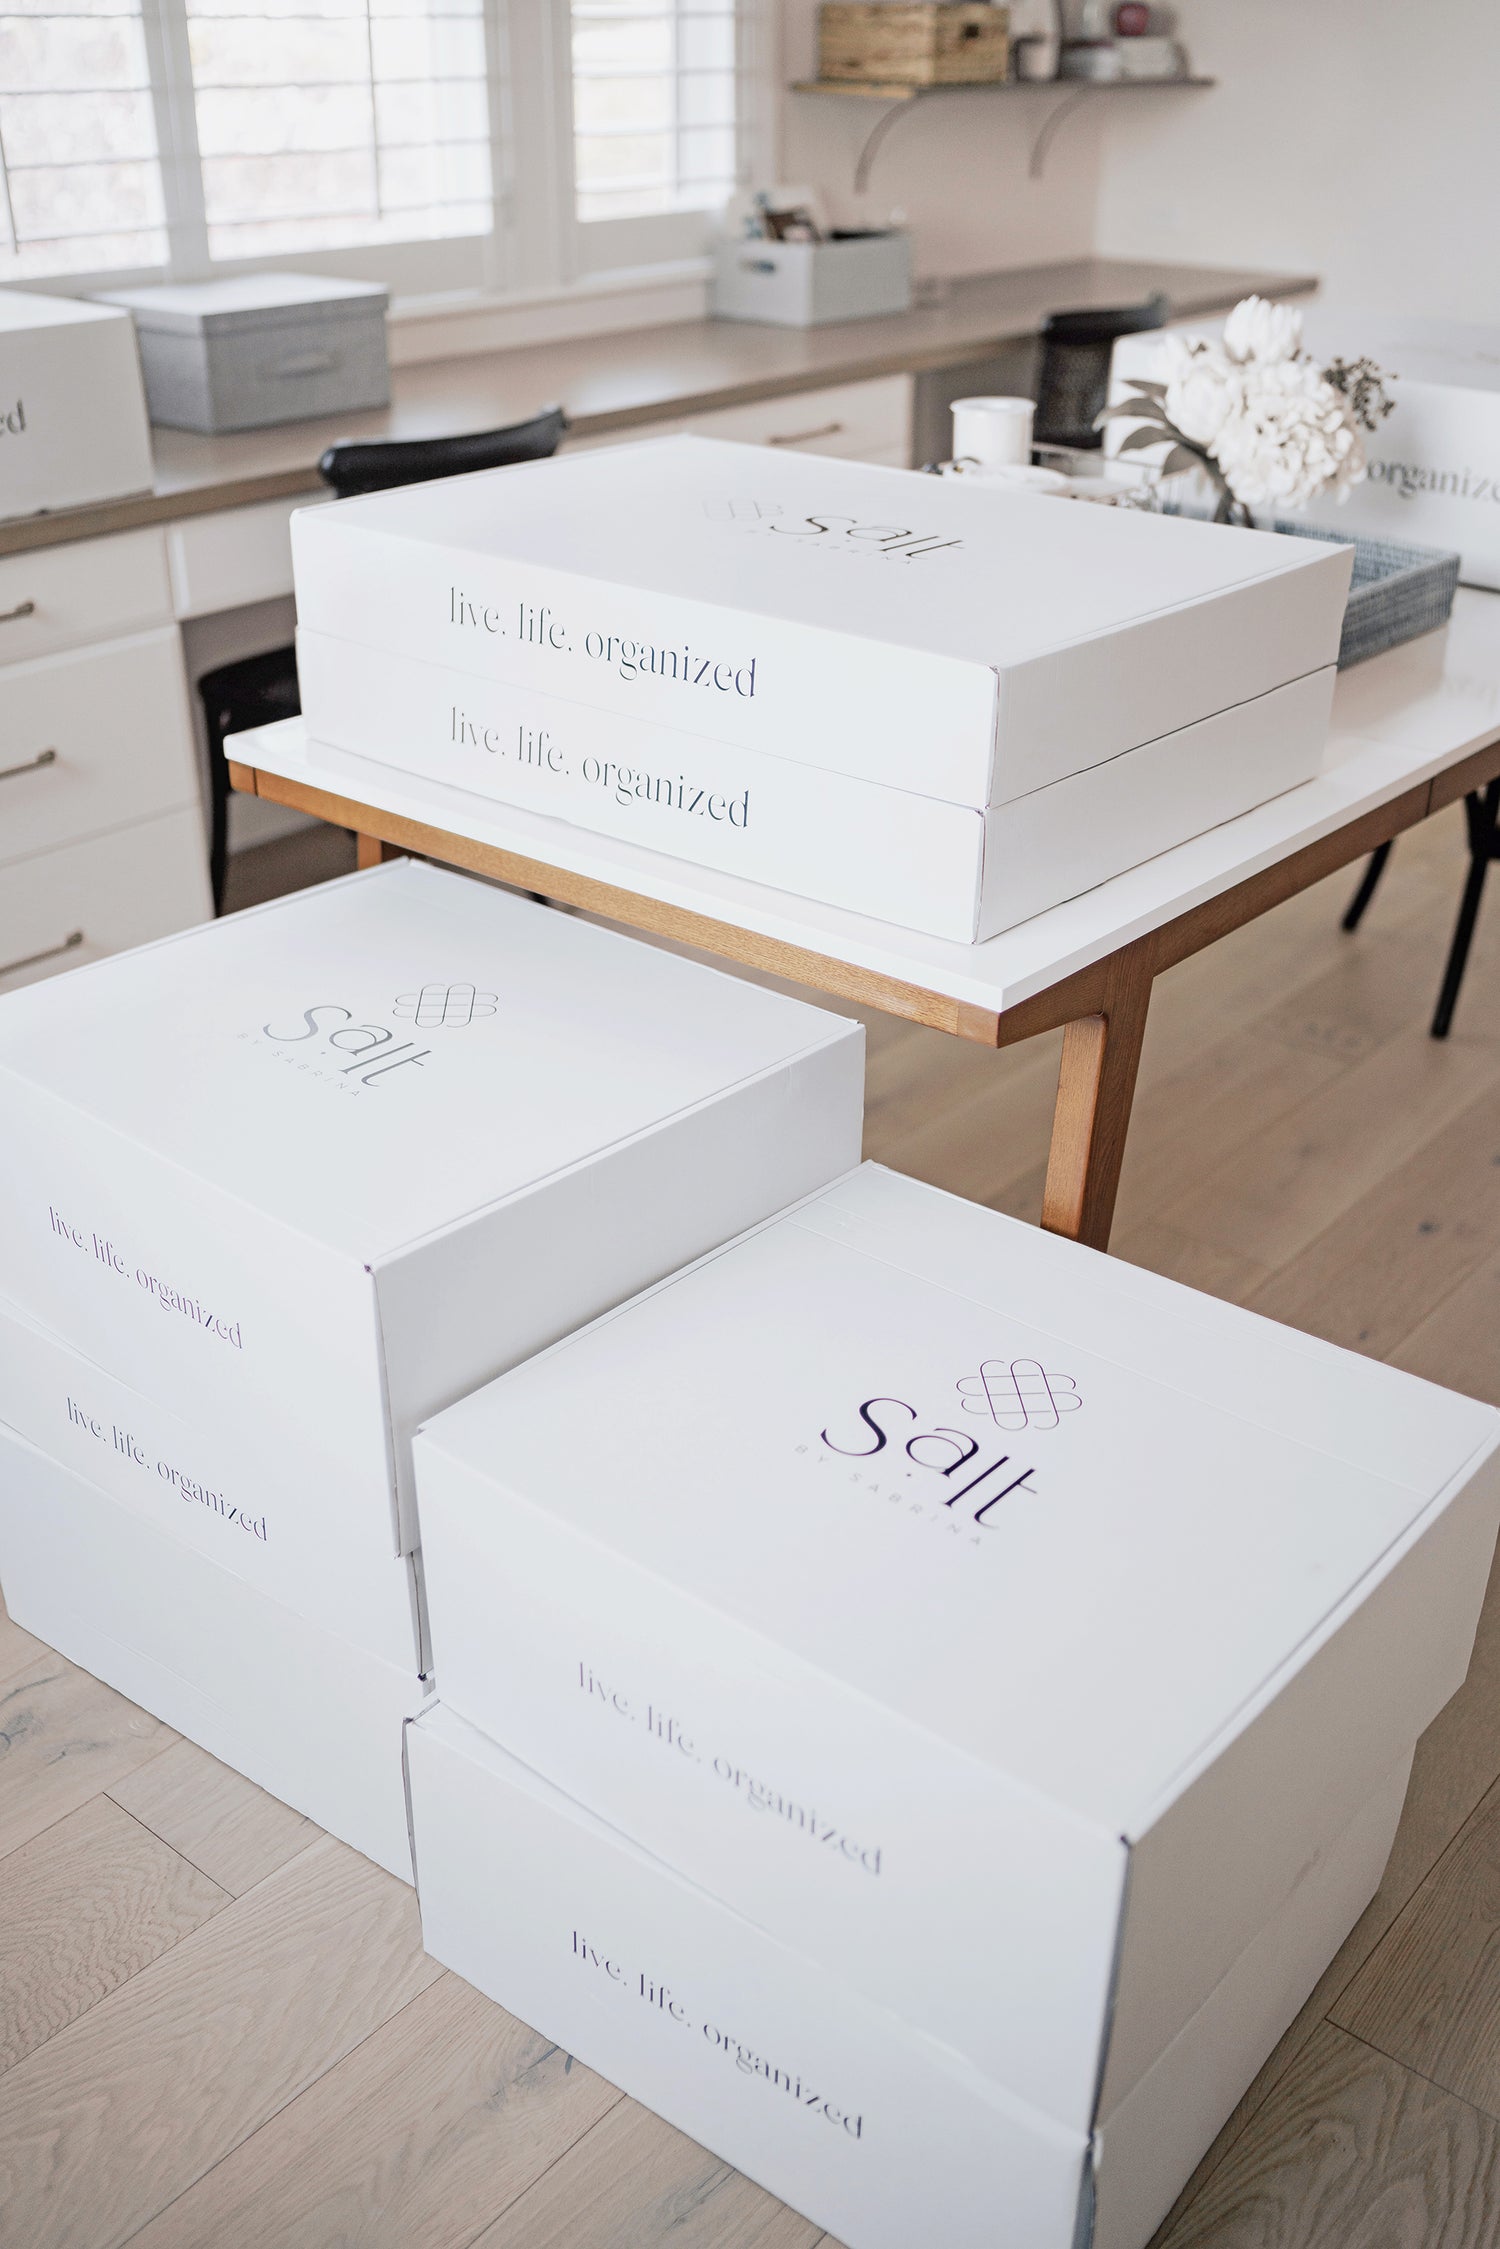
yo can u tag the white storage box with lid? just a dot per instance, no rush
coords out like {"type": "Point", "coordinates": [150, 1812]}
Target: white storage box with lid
{"type": "Point", "coordinates": [964, 706]}
{"type": "Point", "coordinates": [258, 348]}
{"type": "Point", "coordinates": [73, 426]}
{"type": "Point", "coordinates": [308, 1173]}
{"type": "Point", "coordinates": [805, 284]}
{"type": "Point", "coordinates": [1001, 1625]}
{"type": "Point", "coordinates": [310, 1716]}
{"type": "Point", "coordinates": [755, 2049]}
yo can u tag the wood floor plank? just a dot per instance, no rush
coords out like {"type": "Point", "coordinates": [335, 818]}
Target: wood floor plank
{"type": "Point", "coordinates": [1459, 1341]}
{"type": "Point", "coordinates": [979, 1145]}
{"type": "Point", "coordinates": [121, 2112]}
{"type": "Point", "coordinates": [416, 2140]}
{"type": "Point", "coordinates": [1353, 2152]}
{"type": "Point", "coordinates": [64, 1736]}
{"type": "Point", "coordinates": [226, 1825]}
{"type": "Point", "coordinates": [84, 1907]}
{"type": "Point", "coordinates": [17, 1648]}
{"type": "Point", "coordinates": [1176, 1255]}
{"type": "Point", "coordinates": [632, 2181]}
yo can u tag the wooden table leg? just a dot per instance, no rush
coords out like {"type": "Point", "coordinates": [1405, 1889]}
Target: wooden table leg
{"type": "Point", "coordinates": [1095, 1086]}
{"type": "Point", "coordinates": [369, 851]}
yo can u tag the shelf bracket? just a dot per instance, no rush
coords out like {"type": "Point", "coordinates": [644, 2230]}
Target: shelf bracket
{"type": "Point", "coordinates": [899, 105]}
{"type": "Point", "coordinates": [1048, 131]}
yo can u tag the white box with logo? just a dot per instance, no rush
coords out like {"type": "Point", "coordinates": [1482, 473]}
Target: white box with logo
{"type": "Point", "coordinates": [750, 2045]}
{"type": "Point", "coordinates": [1003, 1625]}
{"type": "Point", "coordinates": [308, 1173]}
{"type": "Point", "coordinates": [301, 1712]}
{"type": "Point", "coordinates": [73, 425]}
{"type": "Point", "coordinates": [924, 636]}
{"type": "Point", "coordinates": [227, 1499]}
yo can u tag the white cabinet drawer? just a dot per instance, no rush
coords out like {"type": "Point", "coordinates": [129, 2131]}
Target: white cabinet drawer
{"type": "Point", "coordinates": [62, 908]}
{"type": "Point", "coordinates": [88, 589]}
{"type": "Point", "coordinates": [93, 738]}
{"type": "Point", "coordinates": [855, 421]}
{"type": "Point", "coordinates": [235, 556]}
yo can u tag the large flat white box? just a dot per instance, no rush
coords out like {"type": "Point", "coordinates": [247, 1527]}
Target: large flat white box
{"type": "Point", "coordinates": [308, 1173]}
{"type": "Point", "coordinates": [73, 425]}
{"type": "Point", "coordinates": [922, 633]}
{"type": "Point", "coordinates": [750, 2045]}
{"type": "Point", "coordinates": [302, 1713]}
{"type": "Point", "coordinates": [959, 871]}
{"type": "Point", "coordinates": [999, 1623]}
{"type": "Point", "coordinates": [226, 1498]}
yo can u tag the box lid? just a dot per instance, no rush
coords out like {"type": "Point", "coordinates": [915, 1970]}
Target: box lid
{"type": "Point", "coordinates": [1069, 1517]}
{"type": "Point", "coordinates": [21, 309]}
{"type": "Point", "coordinates": [246, 300]}
{"type": "Point", "coordinates": [375, 1059]}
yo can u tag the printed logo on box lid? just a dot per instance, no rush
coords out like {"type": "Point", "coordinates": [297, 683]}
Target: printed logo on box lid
{"type": "Point", "coordinates": [333, 1044]}
{"type": "Point", "coordinates": [829, 532]}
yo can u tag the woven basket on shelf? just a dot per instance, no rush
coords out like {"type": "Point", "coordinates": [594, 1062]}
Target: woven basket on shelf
{"type": "Point", "coordinates": [927, 43]}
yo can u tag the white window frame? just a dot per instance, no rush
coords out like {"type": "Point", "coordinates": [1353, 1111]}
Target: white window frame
{"type": "Point", "coordinates": [537, 245]}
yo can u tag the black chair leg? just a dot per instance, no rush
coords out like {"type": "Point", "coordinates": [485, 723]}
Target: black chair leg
{"type": "Point", "coordinates": [1483, 813]}
{"type": "Point", "coordinates": [1366, 890]}
{"type": "Point", "coordinates": [218, 820]}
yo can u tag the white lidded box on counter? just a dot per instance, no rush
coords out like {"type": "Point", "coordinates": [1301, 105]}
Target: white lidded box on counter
{"type": "Point", "coordinates": [919, 657]}
{"type": "Point", "coordinates": [73, 425]}
{"type": "Point", "coordinates": [306, 1174]}
{"type": "Point", "coordinates": [827, 2098]}
{"type": "Point", "coordinates": [1002, 1625]}
{"type": "Point", "coordinates": [298, 1709]}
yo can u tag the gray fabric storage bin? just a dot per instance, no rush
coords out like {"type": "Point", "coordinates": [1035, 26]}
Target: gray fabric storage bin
{"type": "Point", "coordinates": [804, 284]}
{"type": "Point", "coordinates": [259, 348]}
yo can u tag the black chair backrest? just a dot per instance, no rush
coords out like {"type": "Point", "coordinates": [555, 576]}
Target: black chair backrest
{"type": "Point", "coordinates": [351, 468]}
{"type": "Point", "coordinates": [1073, 383]}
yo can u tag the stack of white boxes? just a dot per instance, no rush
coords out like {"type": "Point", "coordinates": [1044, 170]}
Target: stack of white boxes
{"type": "Point", "coordinates": [276, 1189]}
{"type": "Point", "coordinates": [925, 701]}
{"type": "Point", "coordinates": [921, 1704]}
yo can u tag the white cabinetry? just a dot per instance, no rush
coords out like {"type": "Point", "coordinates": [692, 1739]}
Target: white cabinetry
{"type": "Point", "coordinates": [869, 421]}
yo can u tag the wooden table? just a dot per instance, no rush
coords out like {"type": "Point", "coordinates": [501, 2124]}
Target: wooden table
{"type": "Point", "coordinates": [1413, 731]}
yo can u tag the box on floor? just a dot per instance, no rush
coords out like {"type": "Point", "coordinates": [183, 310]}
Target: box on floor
{"type": "Point", "coordinates": [824, 2095]}
{"type": "Point", "coordinates": [308, 1173]}
{"type": "Point", "coordinates": [925, 700]}
{"type": "Point", "coordinates": [968, 1582]}
{"type": "Point", "coordinates": [306, 1715]}
{"type": "Point", "coordinates": [73, 423]}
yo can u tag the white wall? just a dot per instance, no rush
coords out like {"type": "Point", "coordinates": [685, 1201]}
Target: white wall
{"type": "Point", "coordinates": [1356, 139]}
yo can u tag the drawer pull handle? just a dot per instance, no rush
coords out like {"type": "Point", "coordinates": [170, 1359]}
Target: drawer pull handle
{"type": "Point", "coordinates": [22, 609]}
{"type": "Point", "coordinates": [806, 436]}
{"type": "Point", "coordinates": [307, 363]}
{"type": "Point", "coordinates": [70, 944]}
{"type": "Point", "coordinates": [31, 765]}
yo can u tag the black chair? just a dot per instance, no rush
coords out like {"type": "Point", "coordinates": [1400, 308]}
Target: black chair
{"type": "Point", "coordinates": [1073, 380]}
{"type": "Point", "coordinates": [260, 689]}
{"type": "Point", "coordinates": [1482, 814]}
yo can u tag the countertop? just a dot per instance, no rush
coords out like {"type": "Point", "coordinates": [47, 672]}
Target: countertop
{"type": "Point", "coordinates": [630, 378]}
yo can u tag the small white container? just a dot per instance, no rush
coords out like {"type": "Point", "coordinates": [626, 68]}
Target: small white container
{"type": "Point", "coordinates": [259, 348]}
{"type": "Point", "coordinates": [73, 426]}
{"type": "Point", "coordinates": [995, 432]}
{"type": "Point", "coordinates": [805, 284]}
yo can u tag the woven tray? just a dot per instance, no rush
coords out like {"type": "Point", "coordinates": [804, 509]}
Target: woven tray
{"type": "Point", "coordinates": [1397, 591]}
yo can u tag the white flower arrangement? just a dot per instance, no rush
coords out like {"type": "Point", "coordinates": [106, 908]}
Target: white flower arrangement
{"type": "Point", "coordinates": [1268, 425]}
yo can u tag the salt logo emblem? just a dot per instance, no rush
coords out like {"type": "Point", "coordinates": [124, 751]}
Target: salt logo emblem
{"type": "Point", "coordinates": [444, 1007]}
{"type": "Point", "coordinates": [1019, 1394]}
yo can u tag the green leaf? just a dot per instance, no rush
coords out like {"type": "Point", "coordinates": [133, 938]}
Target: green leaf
{"type": "Point", "coordinates": [1179, 459]}
{"type": "Point", "coordinates": [1135, 406]}
{"type": "Point", "coordinates": [1137, 440]}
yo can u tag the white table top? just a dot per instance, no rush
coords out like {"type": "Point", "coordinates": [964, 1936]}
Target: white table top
{"type": "Point", "coordinates": [1398, 720]}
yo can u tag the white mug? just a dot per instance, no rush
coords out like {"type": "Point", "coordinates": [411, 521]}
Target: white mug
{"type": "Point", "coordinates": [996, 432]}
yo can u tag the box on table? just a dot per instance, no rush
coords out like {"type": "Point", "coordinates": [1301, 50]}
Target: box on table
{"type": "Point", "coordinates": [914, 42]}
{"type": "Point", "coordinates": [805, 284]}
{"type": "Point", "coordinates": [227, 1499]}
{"type": "Point", "coordinates": [1001, 1624]}
{"type": "Point", "coordinates": [258, 348]}
{"type": "Point", "coordinates": [73, 425]}
{"type": "Point", "coordinates": [301, 1712]}
{"type": "Point", "coordinates": [753, 2047]}
{"type": "Point", "coordinates": [308, 1173]}
{"type": "Point", "coordinates": [923, 636]}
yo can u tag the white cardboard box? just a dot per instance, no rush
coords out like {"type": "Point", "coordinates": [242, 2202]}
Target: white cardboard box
{"type": "Point", "coordinates": [308, 1173]}
{"type": "Point", "coordinates": [999, 1623]}
{"type": "Point", "coordinates": [952, 870]}
{"type": "Point", "coordinates": [751, 2046]}
{"type": "Point", "coordinates": [73, 423]}
{"type": "Point", "coordinates": [226, 1499]}
{"type": "Point", "coordinates": [306, 1715]}
{"type": "Point", "coordinates": [923, 633]}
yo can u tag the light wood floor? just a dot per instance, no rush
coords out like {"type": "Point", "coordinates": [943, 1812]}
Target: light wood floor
{"type": "Point", "coordinates": [218, 2029]}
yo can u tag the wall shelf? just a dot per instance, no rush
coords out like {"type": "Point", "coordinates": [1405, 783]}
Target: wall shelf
{"type": "Point", "coordinates": [900, 96]}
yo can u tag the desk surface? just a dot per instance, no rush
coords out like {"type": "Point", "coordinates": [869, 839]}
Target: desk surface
{"type": "Point", "coordinates": [1399, 721]}
{"type": "Point", "coordinates": [629, 378]}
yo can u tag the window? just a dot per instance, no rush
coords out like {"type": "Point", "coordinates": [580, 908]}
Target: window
{"type": "Point", "coordinates": [435, 144]}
